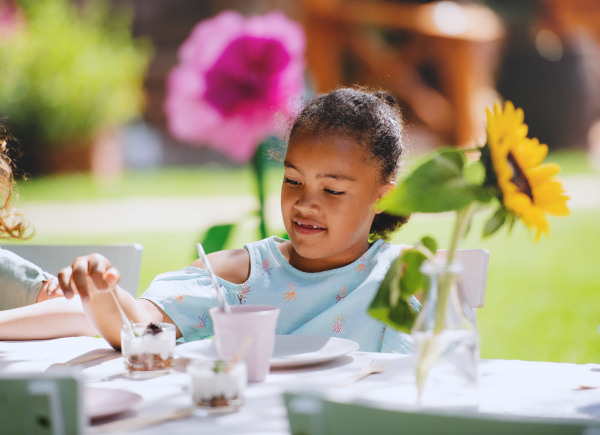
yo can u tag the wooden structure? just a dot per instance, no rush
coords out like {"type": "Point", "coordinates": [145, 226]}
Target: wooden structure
{"type": "Point", "coordinates": [438, 58]}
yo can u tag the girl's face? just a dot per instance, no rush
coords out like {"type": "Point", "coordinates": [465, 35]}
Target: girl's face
{"type": "Point", "coordinates": [327, 201]}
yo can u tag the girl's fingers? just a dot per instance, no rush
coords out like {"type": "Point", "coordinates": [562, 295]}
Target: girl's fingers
{"type": "Point", "coordinates": [97, 267]}
{"type": "Point", "coordinates": [86, 274]}
{"type": "Point", "coordinates": [64, 279]}
{"type": "Point", "coordinates": [79, 277]}
{"type": "Point", "coordinates": [113, 276]}
{"type": "Point", "coordinates": [52, 287]}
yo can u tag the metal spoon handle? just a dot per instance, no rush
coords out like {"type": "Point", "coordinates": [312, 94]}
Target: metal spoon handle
{"type": "Point", "coordinates": [213, 278]}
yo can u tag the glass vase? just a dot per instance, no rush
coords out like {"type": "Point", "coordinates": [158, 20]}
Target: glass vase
{"type": "Point", "coordinates": [446, 342]}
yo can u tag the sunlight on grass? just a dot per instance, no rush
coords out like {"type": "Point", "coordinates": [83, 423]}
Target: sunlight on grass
{"type": "Point", "coordinates": [542, 298]}
{"type": "Point", "coordinates": [185, 181]}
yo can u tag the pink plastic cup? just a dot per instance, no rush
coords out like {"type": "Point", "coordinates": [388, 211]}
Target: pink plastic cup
{"type": "Point", "coordinates": [256, 321]}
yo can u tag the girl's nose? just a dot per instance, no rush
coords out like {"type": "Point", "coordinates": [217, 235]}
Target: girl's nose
{"type": "Point", "coordinates": [307, 203]}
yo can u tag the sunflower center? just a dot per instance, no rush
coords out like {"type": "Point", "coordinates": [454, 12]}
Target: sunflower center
{"type": "Point", "coordinates": [518, 176]}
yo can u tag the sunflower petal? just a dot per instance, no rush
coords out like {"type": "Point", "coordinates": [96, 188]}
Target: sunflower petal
{"type": "Point", "coordinates": [540, 174]}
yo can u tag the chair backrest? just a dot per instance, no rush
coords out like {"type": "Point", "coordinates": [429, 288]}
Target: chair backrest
{"type": "Point", "coordinates": [126, 257]}
{"type": "Point", "coordinates": [42, 403]}
{"type": "Point", "coordinates": [473, 280]}
{"type": "Point", "coordinates": [311, 414]}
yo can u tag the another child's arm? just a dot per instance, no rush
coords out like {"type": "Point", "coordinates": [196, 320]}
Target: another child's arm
{"type": "Point", "coordinates": [52, 318]}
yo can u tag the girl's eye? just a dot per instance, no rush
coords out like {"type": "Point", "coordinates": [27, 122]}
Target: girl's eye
{"type": "Point", "coordinates": [334, 192]}
{"type": "Point", "coordinates": [291, 182]}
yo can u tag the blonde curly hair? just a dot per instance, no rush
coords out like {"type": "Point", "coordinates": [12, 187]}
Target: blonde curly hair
{"type": "Point", "coordinates": [12, 223]}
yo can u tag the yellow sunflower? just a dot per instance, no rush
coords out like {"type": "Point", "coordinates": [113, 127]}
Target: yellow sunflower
{"type": "Point", "coordinates": [529, 189]}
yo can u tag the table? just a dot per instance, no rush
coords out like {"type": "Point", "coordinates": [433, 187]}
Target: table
{"type": "Point", "coordinates": [507, 386]}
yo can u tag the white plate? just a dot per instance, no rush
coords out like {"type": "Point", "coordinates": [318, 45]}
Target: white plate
{"type": "Point", "coordinates": [290, 350]}
{"type": "Point", "coordinates": [103, 402]}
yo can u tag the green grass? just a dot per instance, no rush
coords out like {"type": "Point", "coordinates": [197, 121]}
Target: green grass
{"type": "Point", "coordinates": [541, 299]}
{"type": "Point", "coordinates": [208, 180]}
{"type": "Point", "coordinates": [183, 181]}
{"type": "Point", "coordinates": [572, 162]}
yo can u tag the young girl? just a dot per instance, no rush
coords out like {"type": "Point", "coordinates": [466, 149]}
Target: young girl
{"type": "Point", "coordinates": [23, 285]}
{"type": "Point", "coordinates": [343, 155]}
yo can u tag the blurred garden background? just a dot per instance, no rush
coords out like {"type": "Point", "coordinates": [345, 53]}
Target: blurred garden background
{"type": "Point", "coordinates": [83, 86]}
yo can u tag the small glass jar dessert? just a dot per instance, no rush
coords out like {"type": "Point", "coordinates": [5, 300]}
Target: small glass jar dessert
{"type": "Point", "coordinates": [217, 385]}
{"type": "Point", "coordinates": [150, 350]}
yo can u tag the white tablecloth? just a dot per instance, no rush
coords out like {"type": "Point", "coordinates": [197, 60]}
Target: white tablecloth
{"type": "Point", "coordinates": [506, 386]}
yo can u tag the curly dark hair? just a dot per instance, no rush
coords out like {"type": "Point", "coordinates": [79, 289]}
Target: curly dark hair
{"type": "Point", "coordinates": [12, 223]}
{"type": "Point", "coordinates": [372, 119]}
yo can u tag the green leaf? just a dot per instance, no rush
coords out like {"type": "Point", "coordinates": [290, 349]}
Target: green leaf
{"type": "Point", "coordinates": [393, 303]}
{"type": "Point", "coordinates": [436, 185]}
{"type": "Point", "coordinates": [490, 174]}
{"type": "Point", "coordinates": [216, 238]}
{"type": "Point", "coordinates": [383, 307]}
{"type": "Point", "coordinates": [411, 281]}
{"type": "Point", "coordinates": [474, 172]}
{"type": "Point", "coordinates": [495, 222]}
{"type": "Point", "coordinates": [430, 243]}
{"type": "Point", "coordinates": [400, 317]}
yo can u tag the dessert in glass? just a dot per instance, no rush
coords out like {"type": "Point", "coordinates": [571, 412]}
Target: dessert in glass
{"type": "Point", "coordinates": [217, 385]}
{"type": "Point", "coordinates": [149, 351]}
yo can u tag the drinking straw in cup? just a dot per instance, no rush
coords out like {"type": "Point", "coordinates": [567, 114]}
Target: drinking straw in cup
{"type": "Point", "coordinates": [213, 278]}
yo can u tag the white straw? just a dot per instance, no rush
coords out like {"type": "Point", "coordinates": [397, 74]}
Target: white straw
{"type": "Point", "coordinates": [213, 278]}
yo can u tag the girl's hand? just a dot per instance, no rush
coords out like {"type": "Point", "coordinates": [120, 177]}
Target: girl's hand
{"type": "Point", "coordinates": [50, 290]}
{"type": "Point", "coordinates": [88, 275]}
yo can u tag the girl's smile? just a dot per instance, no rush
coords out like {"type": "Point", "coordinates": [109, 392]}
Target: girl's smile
{"type": "Point", "coordinates": [305, 226]}
{"type": "Point", "coordinates": [329, 190]}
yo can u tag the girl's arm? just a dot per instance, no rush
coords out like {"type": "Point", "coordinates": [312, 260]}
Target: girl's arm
{"type": "Point", "coordinates": [232, 265]}
{"type": "Point", "coordinates": [91, 277]}
{"type": "Point", "coordinates": [53, 318]}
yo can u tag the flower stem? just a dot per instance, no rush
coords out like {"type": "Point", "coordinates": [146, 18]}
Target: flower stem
{"type": "Point", "coordinates": [432, 346]}
{"type": "Point", "coordinates": [258, 164]}
{"type": "Point", "coordinates": [463, 218]}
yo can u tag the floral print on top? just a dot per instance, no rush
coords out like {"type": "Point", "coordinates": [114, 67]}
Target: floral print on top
{"type": "Point", "coordinates": [291, 292]}
{"type": "Point", "coordinates": [244, 293]}
{"type": "Point", "coordinates": [335, 301]}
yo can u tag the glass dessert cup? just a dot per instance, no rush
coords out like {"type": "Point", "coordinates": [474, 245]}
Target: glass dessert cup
{"type": "Point", "coordinates": [150, 350]}
{"type": "Point", "coordinates": [217, 387]}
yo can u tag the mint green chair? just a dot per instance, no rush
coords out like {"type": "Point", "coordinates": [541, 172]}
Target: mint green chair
{"type": "Point", "coordinates": [127, 257]}
{"type": "Point", "coordinates": [311, 415]}
{"type": "Point", "coordinates": [41, 404]}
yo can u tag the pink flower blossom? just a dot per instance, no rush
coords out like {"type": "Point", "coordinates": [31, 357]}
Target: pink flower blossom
{"type": "Point", "coordinates": [11, 19]}
{"type": "Point", "coordinates": [234, 74]}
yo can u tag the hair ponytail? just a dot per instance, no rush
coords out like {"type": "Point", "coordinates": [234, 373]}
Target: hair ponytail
{"type": "Point", "coordinates": [385, 224]}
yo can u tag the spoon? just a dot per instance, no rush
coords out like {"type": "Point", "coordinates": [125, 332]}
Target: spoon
{"type": "Point", "coordinates": [213, 279]}
{"type": "Point", "coordinates": [240, 353]}
{"type": "Point", "coordinates": [126, 320]}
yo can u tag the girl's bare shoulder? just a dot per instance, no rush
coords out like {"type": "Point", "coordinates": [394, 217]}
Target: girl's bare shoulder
{"type": "Point", "coordinates": [232, 265]}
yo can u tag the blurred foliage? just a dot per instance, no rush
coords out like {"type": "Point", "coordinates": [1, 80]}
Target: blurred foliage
{"type": "Point", "coordinates": [69, 71]}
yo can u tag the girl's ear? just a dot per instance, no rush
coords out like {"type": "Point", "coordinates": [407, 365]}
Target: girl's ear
{"type": "Point", "coordinates": [384, 190]}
